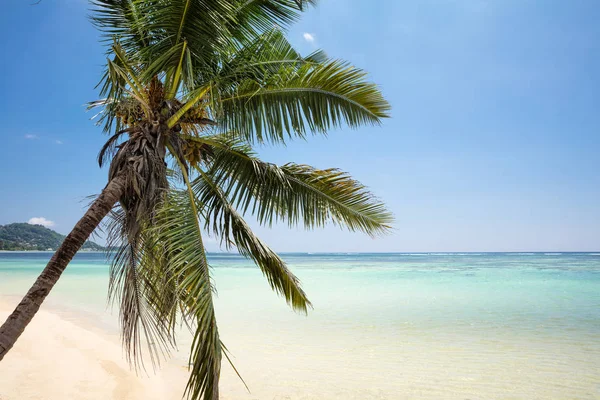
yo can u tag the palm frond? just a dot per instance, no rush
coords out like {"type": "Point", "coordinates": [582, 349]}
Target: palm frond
{"type": "Point", "coordinates": [194, 98]}
{"type": "Point", "coordinates": [150, 29]}
{"type": "Point", "coordinates": [222, 218]}
{"type": "Point", "coordinates": [122, 87]}
{"type": "Point", "coordinates": [262, 57]}
{"type": "Point", "coordinates": [107, 151]}
{"type": "Point", "coordinates": [202, 23]}
{"type": "Point", "coordinates": [251, 17]}
{"type": "Point", "coordinates": [125, 19]}
{"type": "Point", "coordinates": [173, 85]}
{"type": "Point", "coordinates": [178, 229]}
{"type": "Point", "coordinates": [297, 100]}
{"type": "Point", "coordinates": [298, 194]}
{"type": "Point", "coordinates": [136, 285]}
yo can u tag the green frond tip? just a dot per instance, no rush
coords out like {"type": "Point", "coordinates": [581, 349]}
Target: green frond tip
{"type": "Point", "coordinates": [280, 278]}
{"type": "Point", "coordinates": [298, 194]}
{"type": "Point", "coordinates": [223, 219]}
{"type": "Point", "coordinates": [302, 98]}
{"type": "Point", "coordinates": [350, 203]}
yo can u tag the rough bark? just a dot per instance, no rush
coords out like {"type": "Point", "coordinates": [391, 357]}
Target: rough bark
{"type": "Point", "coordinates": [16, 323]}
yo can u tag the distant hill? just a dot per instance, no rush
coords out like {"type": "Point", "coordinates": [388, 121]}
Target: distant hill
{"type": "Point", "coordinates": [20, 236]}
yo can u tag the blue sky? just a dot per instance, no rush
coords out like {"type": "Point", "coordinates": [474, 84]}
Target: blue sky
{"type": "Point", "coordinates": [493, 144]}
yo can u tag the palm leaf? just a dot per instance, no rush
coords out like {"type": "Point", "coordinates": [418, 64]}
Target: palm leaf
{"type": "Point", "coordinates": [252, 17]}
{"type": "Point", "coordinates": [178, 229]}
{"type": "Point", "coordinates": [137, 285]}
{"type": "Point", "coordinates": [125, 19]}
{"type": "Point", "coordinates": [262, 57]}
{"type": "Point", "coordinates": [298, 194]}
{"type": "Point", "coordinates": [222, 218]}
{"type": "Point", "coordinates": [294, 101]}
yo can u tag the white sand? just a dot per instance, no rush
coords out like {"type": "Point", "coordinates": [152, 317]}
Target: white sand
{"type": "Point", "coordinates": [55, 359]}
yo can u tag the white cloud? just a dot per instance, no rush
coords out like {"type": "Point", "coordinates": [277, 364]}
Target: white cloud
{"type": "Point", "coordinates": [41, 221]}
{"type": "Point", "coordinates": [59, 142]}
{"type": "Point", "coordinates": [309, 37]}
{"type": "Point", "coordinates": [31, 137]}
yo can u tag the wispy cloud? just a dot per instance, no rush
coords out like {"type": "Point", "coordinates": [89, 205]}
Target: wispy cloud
{"type": "Point", "coordinates": [41, 221]}
{"type": "Point", "coordinates": [29, 136]}
{"type": "Point", "coordinates": [309, 37]}
{"type": "Point", "coordinates": [59, 142]}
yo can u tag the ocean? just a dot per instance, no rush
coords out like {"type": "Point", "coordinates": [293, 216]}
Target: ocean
{"type": "Point", "coordinates": [384, 326]}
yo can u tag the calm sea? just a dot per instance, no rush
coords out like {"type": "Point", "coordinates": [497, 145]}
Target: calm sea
{"type": "Point", "coordinates": [388, 326]}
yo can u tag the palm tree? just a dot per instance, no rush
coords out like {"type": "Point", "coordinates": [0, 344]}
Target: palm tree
{"type": "Point", "coordinates": [189, 87]}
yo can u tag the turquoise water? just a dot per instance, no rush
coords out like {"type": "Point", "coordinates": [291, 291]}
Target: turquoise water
{"type": "Point", "coordinates": [479, 324]}
{"type": "Point", "coordinates": [542, 291]}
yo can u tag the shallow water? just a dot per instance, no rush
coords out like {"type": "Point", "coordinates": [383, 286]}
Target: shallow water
{"type": "Point", "coordinates": [387, 326]}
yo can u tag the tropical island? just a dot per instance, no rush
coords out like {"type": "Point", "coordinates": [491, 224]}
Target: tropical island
{"type": "Point", "coordinates": [28, 237]}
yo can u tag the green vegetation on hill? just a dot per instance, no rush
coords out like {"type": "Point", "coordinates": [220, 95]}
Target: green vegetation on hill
{"type": "Point", "coordinates": [20, 236]}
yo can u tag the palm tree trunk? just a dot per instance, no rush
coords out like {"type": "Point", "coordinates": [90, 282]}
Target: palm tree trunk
{"type": "Point", "coordinates": [28, 307]}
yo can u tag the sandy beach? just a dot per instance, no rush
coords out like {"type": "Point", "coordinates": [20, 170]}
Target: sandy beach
{"type": "Point", "coordinates": [65, 354]}
{"type": "Point", "coordinates": [59, 359]}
